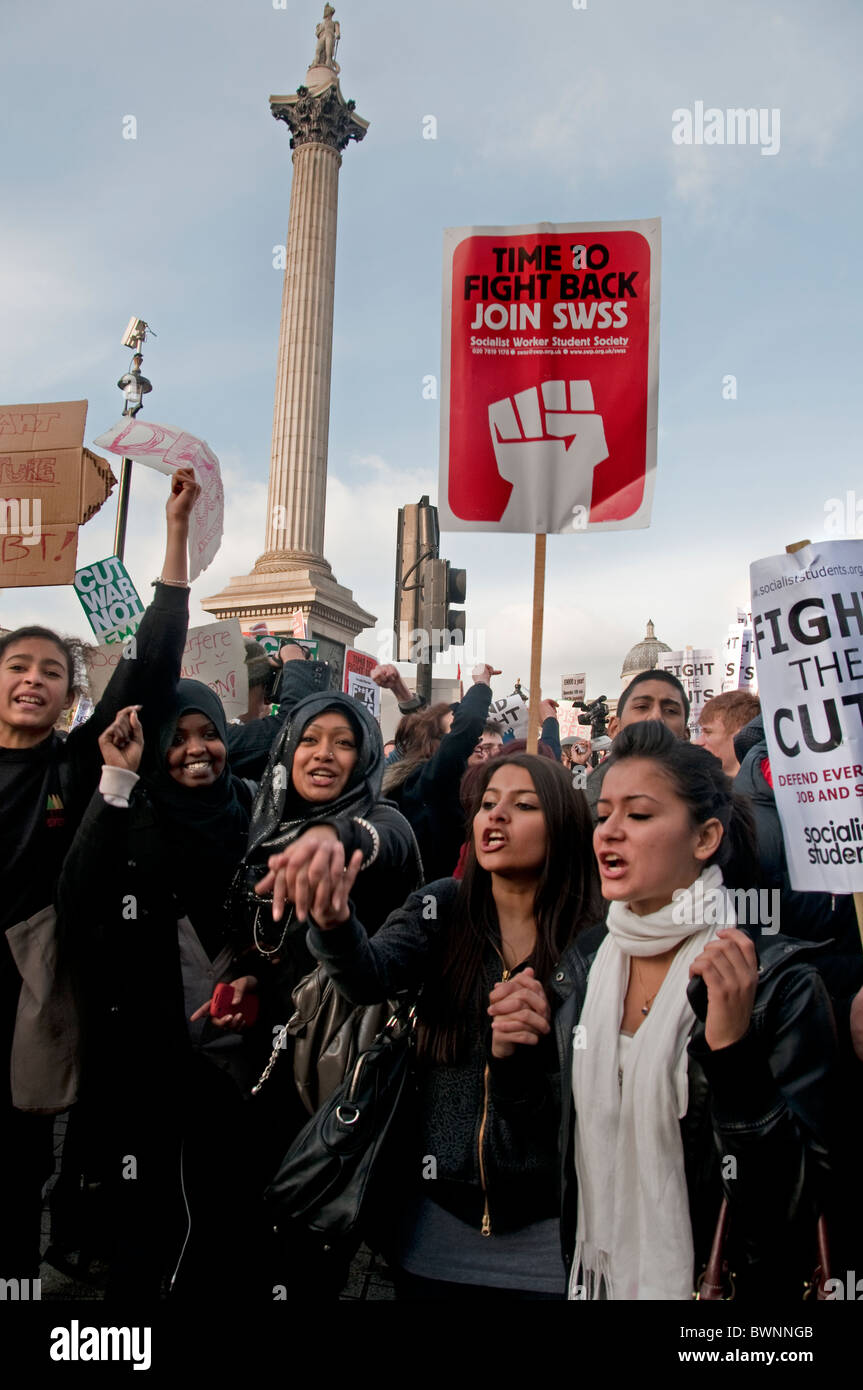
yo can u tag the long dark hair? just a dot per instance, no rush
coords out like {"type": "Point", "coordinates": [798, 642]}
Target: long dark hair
{"type": "Point", "coordinates": [567, 900]}
{"type": "Point", "coordinates": [699, 780]}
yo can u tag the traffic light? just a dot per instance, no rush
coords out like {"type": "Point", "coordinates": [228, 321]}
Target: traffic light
{"type": "Point", "coordinates": [417, 539]}
{"type": "Point", "coordinates": [423, 621]}
{"type": "Point", "coordinates": [444, 585]}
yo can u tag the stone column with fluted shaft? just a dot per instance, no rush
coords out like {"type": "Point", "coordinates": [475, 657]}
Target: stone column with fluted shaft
{"type": "Point", "coordinates": [322, 123]}
{"type": "Point", "coordinates": [292, 574]}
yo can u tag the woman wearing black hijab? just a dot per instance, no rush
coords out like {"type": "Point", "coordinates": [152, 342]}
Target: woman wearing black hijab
{"type": "Point", "coordinates": [152, 863]}
{"type": "Point", "coordinates": [322, 789]}
{"type": "Point", "coordinates": [320, 798]}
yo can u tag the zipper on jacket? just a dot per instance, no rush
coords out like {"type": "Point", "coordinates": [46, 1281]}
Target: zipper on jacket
{"type": "Point", "coordinates": [486, 1216]}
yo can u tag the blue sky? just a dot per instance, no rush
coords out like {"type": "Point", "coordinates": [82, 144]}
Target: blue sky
{"type": "Point", "coordinates": [545, 113]}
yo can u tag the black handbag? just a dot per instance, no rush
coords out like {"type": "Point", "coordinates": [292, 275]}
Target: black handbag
{"type": "Point", "coordinates": [329, 1034]}
{"type": "Point", "coordinates": [717, 1282]}
{"type": "Point", "coordinates": [339, 1177]}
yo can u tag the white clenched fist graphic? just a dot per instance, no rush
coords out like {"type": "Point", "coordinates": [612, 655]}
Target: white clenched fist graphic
{"type": "Point", "coordinates": [548, 448]}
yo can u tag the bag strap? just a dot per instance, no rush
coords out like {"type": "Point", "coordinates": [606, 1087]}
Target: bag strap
{"type": "Point", "coordinates": [716, 1278]}
{"type": "Point", "coordinates": [821, 1273]}
{"type": "Point", "coordinates": [715, 1282]}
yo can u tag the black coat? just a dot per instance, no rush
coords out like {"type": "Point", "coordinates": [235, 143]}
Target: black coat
{"type": "Point", "coordinates": [118, 916]}
{"type": "Point", "coordinates": [34, 843]}
{"type": "Point", "coordinates": [148, 1095]}
{"type": "Point", "coordinates": [508, 1109]}
{"type": "Point", "coordinates": [768, 1102]}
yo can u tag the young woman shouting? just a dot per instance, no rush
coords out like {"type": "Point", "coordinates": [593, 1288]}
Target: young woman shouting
{"type": "Point", "coordinates": [700, 1067]}
{"type": "Point", "coordinates": [482, 952]}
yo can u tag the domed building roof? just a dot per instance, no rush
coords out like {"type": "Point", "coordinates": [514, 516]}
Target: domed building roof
{"type": "Point", "coordinates": [644, 655]}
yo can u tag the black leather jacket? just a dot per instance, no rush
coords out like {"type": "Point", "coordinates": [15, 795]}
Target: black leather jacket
{"type": "Point", "coordinates": [757, 1125]}
{"type": "Point", "coordinates": [491, 1125]}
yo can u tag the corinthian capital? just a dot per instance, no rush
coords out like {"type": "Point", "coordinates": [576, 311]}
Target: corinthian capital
{"type": "Point", "coordinates": [324, 118]}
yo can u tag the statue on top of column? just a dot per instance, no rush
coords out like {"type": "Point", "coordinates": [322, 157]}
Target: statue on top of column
{"type": "Point", "coordinates": [328, 34]}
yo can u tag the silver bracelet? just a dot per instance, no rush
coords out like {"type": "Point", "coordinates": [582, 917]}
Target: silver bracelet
{"type": "Point", "coordinates": [376, 841]}
{"type": "Point", "coordinates": [175, 583]}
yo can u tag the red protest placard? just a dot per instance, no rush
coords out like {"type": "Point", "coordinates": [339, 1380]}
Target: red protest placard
{"type": "Point", "coordinates": [549, 377]}
{"type": "Point", "coordinates": [357, 680]}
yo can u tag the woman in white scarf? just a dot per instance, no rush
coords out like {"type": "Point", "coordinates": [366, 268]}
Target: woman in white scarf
{"type": "Point", "coordinates": [667, 822]}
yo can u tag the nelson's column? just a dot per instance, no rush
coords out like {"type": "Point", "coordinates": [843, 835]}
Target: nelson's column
{"type": "Point", "coordinates": [292, 573]}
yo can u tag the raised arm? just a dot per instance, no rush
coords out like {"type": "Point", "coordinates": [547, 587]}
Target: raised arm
{"type": "Point", "coordinates": [440, 776]}
{"type": "Point", "coordinates": [550, 733]}
{"type": "Point", "coordinates": [148, 672]}
{"type": "Point", "coordinates": [89, 892]}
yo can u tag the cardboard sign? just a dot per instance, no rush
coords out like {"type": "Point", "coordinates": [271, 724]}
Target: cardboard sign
{"type": "Point", "coordinates": [807, 622]}
{"type": "Point", "coordinates": [166, 449]}
{"type": "Point", "coordinates": [698, 670]}
{"type": "Point", "coordinates": [49, 486]}
{"type": "Point", "coordinates": [511, 714]}
{"type": "Point", "coordinates": [572, 687]}
{"type": "Point", "coordinates": [357, 680]}
{"type": "Point", "coordinates": [550, 377]}
{"type": "Point", "coordinates": [109, 598]}
{"type": "Point", "coordinates": [214, 654]}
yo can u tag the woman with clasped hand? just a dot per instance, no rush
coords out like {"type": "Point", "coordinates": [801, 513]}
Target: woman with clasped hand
{"type": "Point", "coordinates": [699, 1066]}
{"type": "Point", "coordinates": [491, 955]}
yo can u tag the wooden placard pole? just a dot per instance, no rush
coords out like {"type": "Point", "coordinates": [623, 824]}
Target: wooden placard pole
{"type": "Point", "coordinates": [533, 720]}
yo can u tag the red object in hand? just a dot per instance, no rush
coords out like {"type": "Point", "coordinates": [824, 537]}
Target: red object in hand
{"type": "Point", "coordinates": [221, 1004]}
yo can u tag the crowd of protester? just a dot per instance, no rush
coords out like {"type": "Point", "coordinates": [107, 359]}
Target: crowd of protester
{"type": "Point", "coordinates": [607, 1087]}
